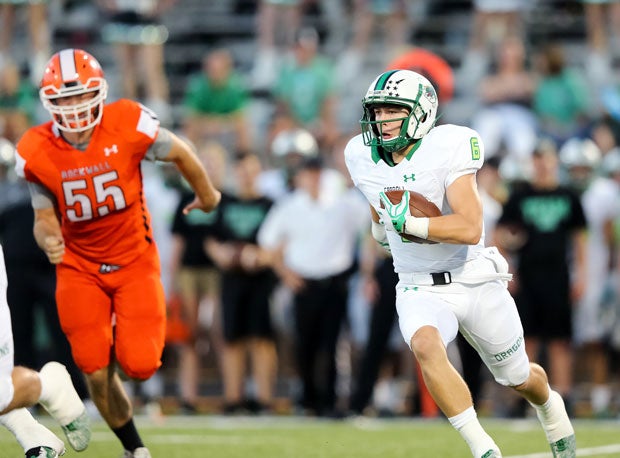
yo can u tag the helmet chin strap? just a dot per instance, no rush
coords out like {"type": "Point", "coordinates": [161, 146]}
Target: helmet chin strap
{"type": "Point", "coordinates": [400, 143]}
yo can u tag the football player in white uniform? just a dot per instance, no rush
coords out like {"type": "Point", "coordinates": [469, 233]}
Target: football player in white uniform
{"type": "Point", "coordinates": [456, 283]}
{"type": "Point", "coordinates": [21, 387]}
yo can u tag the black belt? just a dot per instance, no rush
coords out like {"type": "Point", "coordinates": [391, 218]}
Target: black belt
{"type": "Point", "coordinates": [441, 278]}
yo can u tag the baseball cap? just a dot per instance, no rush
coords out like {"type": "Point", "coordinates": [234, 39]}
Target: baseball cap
{"type": "Point", "coordinates": [545, 146]}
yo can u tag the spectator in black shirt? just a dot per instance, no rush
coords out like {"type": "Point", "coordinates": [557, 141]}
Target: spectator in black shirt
{"type": "Point", "coordinates": [196, 281]}
{"type": "Point", "coordinates": [543, 224]}
{"type": "Point", "coordinates": [247, 284]}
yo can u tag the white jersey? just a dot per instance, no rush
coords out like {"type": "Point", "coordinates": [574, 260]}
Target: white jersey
{"type": "Point", "coordinates": [6, 341]}
{"type": "Point", "coordinates": [600, 205]}
{"type": "Point", "coordinates": [446, 153]}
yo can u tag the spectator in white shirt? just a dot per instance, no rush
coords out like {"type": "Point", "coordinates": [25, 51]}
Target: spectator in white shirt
{"type": "Point", "coordinates": [313, 238]}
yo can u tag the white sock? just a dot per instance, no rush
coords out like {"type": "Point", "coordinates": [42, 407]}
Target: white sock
{"type": "Point", "coordinates": [467, 424]}
{"type": "Point", "coordinates": [29, 432]}
{"type": "Point", "coordinates": [553, 418]}
{"type": "Point", "coordinates": [58, 395]}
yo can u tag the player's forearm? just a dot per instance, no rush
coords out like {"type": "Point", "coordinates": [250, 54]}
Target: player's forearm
{"type": "Point", "coordinates": [45, 226]}
{"type": "Point", "coordinates": [48, 235]}
{"type": "Point", "coordinates": [455, 229]}
{"type": "Point", "coordinates": [199, 180]}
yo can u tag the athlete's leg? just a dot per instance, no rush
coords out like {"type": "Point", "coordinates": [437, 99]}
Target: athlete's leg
{"type": "Point", "coordinates": [25, 392]}
{"type": "Point", "coordinates": [59, 398]}
{"type": "Point", "coordinates": [140, 310]}
{"type": "Point", "coordinates": [31, 434]}
{"type": "Point", "coordinates": [139, 338]}
{"type": "Point", "coordinates": [27, 389]}
{"type": "Point", "coordinates": [499, 341]}
{"type": "Point", "coordinates": [551, 412]}
{"type": "Point", "coordinates": [449, 390]}
{"type": "Point", "coordinates": [21, 387]}
{"type": "Point", "coordinates": [443, 381]}
{"type": "Point", "coordinates": [429, 317]}
{"type": "Point", "coordinates": [52, 388]}
{"type": "Point", "coordinates": [109, 396]}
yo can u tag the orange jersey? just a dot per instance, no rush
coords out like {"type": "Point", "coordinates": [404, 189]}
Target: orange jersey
{"type": "Point", "coordinates": [98, 191]}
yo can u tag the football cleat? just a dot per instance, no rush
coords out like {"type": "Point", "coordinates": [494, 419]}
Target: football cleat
{"type": "Point", "coordinates": [140, 452]}
{"type": "Point", "coordinates": [50, 445]}
{"type": "Point", "coordinates": [492, 454]}
{"type": "Point", "coordinates": [66, 407]}
{"type": "Point", "coordinates": [42, 452]}
{"type": "Point", "coordinates": [78, 432]}
{"type": "Point", "coordinates": [565, 447]}
{"type": "Point", "coordinates": [556, 423]}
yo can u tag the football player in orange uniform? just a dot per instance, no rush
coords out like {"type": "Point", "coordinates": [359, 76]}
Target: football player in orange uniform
{"type": "Point", "coordinates": [91, 220]}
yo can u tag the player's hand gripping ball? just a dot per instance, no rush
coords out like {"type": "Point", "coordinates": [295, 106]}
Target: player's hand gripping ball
{"type": "Point", "coordinates": [419, 206]}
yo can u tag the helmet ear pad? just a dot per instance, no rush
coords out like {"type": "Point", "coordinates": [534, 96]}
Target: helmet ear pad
{"type": "Point", "coordinates": [419, 124]}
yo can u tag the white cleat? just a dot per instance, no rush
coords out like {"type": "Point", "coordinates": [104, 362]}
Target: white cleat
{"type": "Point", "coordinates": [564, 448]}
{"type": "Point", "coordinates": [47, 440]}
{"type": "Point", "coordinates": [66, 406]}
{"type": "Point", "coordinates": [43, 452]}
{"type": "Point", "coordinates": [557, 424]}
{"type": "Point", "coordinates": [140, 452]}
{"type": "Point", "coordinates": [78, 432]}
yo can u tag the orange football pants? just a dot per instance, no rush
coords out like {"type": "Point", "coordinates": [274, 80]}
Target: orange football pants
{"type": "Point", "coordinates": [122, 311]}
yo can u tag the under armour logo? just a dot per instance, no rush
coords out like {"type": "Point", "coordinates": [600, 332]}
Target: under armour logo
{"type": "Point", "coordinates": [113, 149]}
{"type": "Point", "coordinates": [411, 177]}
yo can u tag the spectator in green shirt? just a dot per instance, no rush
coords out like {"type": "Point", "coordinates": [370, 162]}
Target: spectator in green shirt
{"type": "Point", "coordinates": [305, 89]}
{"type": "Point", "coordinates": [215, 104]}
{"type": "Point", "coordinates": [561, 98]}
{"type": "Point", "coordinates": [18, 102]}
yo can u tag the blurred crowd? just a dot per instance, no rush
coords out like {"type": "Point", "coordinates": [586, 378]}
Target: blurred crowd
{"type": "Point", "coordinates": [315, 333]}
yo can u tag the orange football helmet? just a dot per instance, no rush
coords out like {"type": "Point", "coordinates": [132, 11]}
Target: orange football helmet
{"type": "Point", "coordinates": [70, 73]}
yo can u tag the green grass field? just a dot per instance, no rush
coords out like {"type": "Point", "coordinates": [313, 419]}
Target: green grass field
{"type": "Point", "coordinates": [279, 437]}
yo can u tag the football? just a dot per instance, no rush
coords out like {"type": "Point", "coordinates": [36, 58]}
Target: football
{"type": "Point", "coordinates": [419, 206]}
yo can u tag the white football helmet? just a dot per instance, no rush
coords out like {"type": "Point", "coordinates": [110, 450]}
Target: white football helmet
{"type": "Point", "coordinates": [577, 152]}
{"type": "Point", "coordinates": [580, 159]}
{"type": "Point", "coordinates": [294, 141]}
{"type": "Point", "coordinates": [402, 88]}
{"type": "Point", "coordinates": [72, 72]}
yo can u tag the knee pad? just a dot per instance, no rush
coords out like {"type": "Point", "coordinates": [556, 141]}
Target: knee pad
{"type": "Point", "coordinates": [7, 391]}
{"type": "Point", "coordinates": [512, 372]}
{"type": "Point", "coordinates": [139, 367]}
